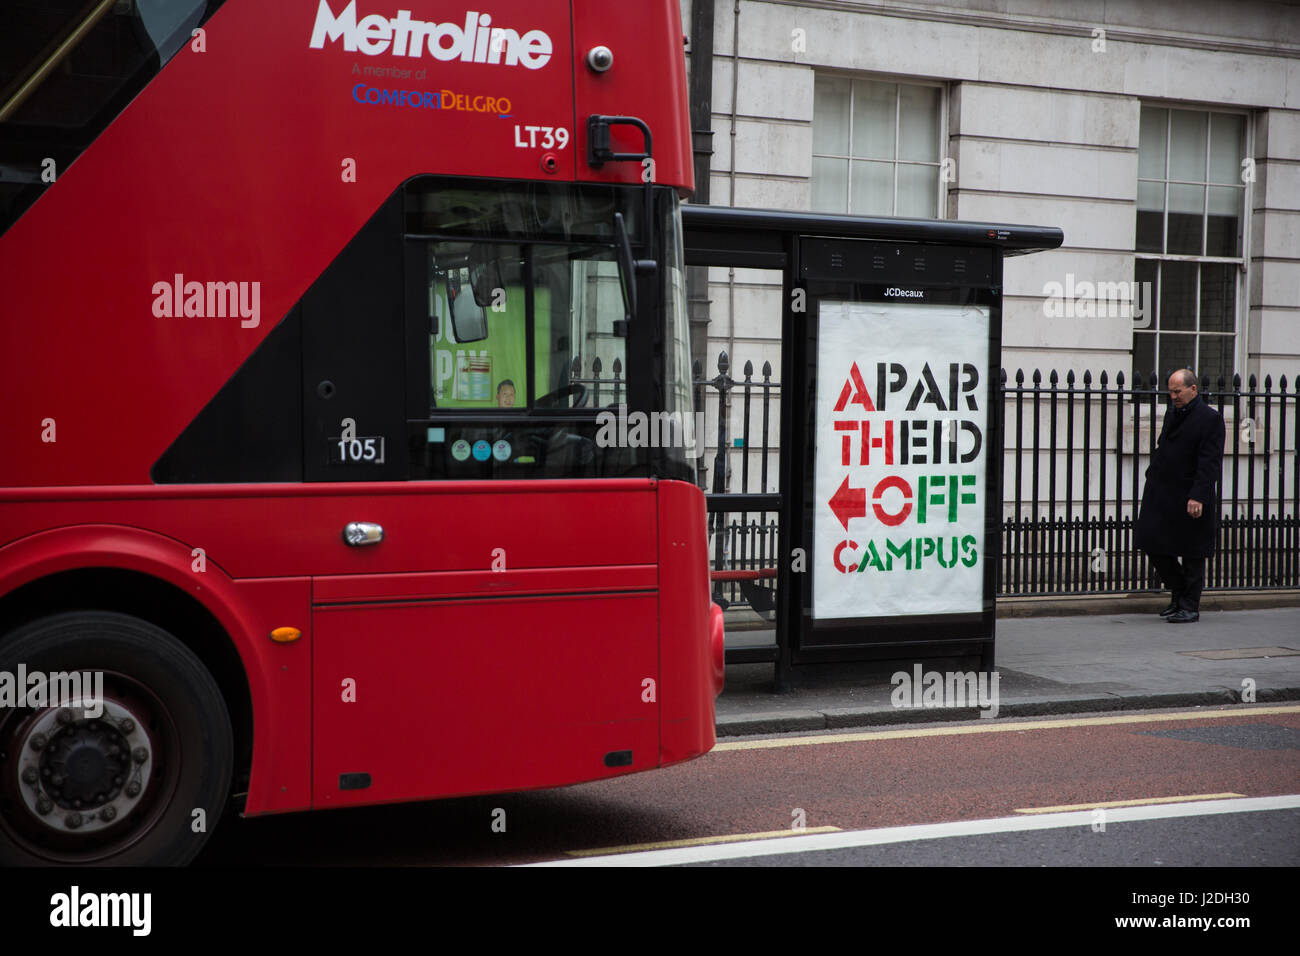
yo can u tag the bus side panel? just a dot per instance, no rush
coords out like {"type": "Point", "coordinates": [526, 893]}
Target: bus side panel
{"type": "Point", "coordinates": [691, 675]}
{"type": "Point", "coordinates": [464, 697]}
{"type": "Point", "coordinates": [263, 531]}
{"type": "Point", "coordinates": [525, 663]}
{"type": "Point", "coordinates": [281, 772]}
{"type": "Point", "coordinates": [589, 544]}
{"type": "Point", "coordinates": [647, 42]}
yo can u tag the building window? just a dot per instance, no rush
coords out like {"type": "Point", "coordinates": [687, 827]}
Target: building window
{"type": "Point", "coordinates": [876, 147]}
{"type": "Point", "coordinates": [1190, 203]}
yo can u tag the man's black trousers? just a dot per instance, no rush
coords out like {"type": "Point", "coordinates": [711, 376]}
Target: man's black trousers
{"type": "Point", "coordinates": [1184, 580]}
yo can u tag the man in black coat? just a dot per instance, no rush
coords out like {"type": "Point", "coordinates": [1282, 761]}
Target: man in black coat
{"type": "Point", "coordinates": [1180, 504]}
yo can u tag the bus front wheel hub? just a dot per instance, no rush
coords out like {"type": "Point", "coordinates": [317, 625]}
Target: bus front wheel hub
{"type": "Point", "coordinates": [94, 769]}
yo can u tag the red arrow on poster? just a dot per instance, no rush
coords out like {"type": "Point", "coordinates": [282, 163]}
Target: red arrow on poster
{"type": "Point", "coordinates": [849, 503]}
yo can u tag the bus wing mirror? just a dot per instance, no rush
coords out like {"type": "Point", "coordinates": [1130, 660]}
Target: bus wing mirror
{"type": "Point", "coordinates": [468, 318]}
{"type": "Point", "coordinates": [485, 275]}
{"type": "Point", "coordinates": [628, 267]}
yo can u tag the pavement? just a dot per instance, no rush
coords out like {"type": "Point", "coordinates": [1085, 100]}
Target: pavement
{"type": "Point", "coordinates": [1045, 665]}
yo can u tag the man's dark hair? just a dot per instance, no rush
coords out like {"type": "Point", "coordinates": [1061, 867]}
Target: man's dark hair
{"type": "Point", "coordinates": [504, 383]}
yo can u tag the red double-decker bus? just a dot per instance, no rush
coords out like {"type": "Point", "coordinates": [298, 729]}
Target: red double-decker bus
{"type": "Point", "coordinates": [316, 315]}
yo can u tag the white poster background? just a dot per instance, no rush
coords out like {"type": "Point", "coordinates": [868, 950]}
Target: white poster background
{"type": "Point", "coordinates": [911, 334]}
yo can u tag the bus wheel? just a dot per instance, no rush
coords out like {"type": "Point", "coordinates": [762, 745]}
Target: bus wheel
{"type": "Point", "coordinates": [116, 748]}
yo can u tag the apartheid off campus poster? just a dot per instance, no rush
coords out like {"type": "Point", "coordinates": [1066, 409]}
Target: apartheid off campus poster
{"type": "Point", "coordinates": [902, 406]}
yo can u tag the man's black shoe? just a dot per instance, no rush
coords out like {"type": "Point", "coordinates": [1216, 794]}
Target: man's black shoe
{"type": "Point", "coordinates": [1170, 610]}
{"type": "Point", "coordinates": [1183, 617]}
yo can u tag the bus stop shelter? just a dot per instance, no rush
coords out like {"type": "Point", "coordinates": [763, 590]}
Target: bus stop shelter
{"type": "Point", "coordinates": [889, 495]}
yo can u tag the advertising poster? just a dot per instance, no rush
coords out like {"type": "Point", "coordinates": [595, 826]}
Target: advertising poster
{"type": "Point", "coordinates": [471, 375]}
{"type": "Point", "coordinates": [901, 451]}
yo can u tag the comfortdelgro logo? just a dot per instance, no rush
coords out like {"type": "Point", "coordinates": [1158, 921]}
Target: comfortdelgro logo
{"type": "Point", "coordinates": [476, 41]}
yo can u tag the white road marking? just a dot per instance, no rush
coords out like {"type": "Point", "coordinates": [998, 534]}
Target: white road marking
{"type": "Point", "coordinates": [927, 831]}
{"type": "Point", "coordinates": [699, 841]}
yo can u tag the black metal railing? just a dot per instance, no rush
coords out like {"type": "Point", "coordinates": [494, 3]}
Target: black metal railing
{"type": "Point", "coordinates": [742, 510]}
{"type": "Point", "coordinates": [1075, 452]}
{"type": "Point", "coordinates": [604, 391]}
{"type": "Point", "coordinates": [1074, 458]}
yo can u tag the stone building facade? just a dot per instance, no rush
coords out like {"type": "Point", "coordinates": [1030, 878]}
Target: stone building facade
{"type": "Point", "coordinates": [1162, 136]}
